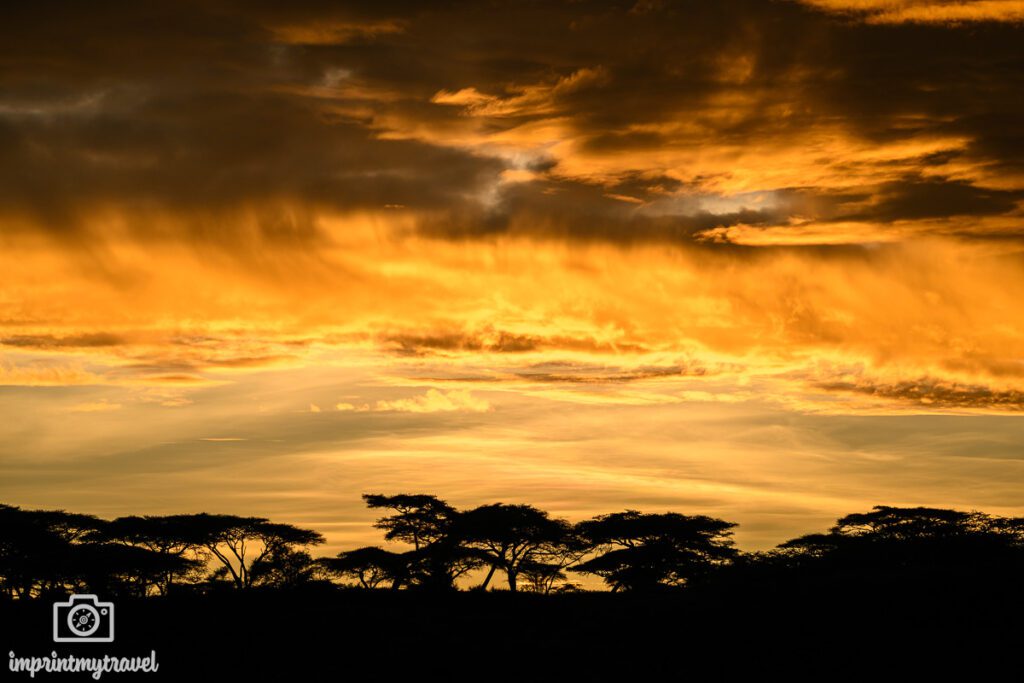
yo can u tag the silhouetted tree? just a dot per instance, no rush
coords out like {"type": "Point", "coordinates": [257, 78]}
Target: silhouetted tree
{"type": "Point", "coordinates": [72, 527]}
{"type": "Point", "coordinates": [33, 556]}
{"type": "Point", "coordinates": [1011, 529]}
{"type": "Point", "coordinates": [43, 550]}
{"type": "Point", "coordinates": [239, 543]}
{"type": "Point", "coordinates": [171, 535]}
{"type": "Point", "coordinates": [509, 536]}
{"type": "Point", "coordinates": [913, 523]}
{"type": "Point", "coordinates": [437, 566]}
{"type": "Point", "coordinates": [644, 551]}
{"type": "Point", "coordinates": [37, 548]}
{"type": "Point", "coordinates": [427, 523]}
{"type": "Point", "coordinates": [540, 577]}
{"type": "Point", "coordinates": [115, 569]}
{"type": "Point", "coordinates": [370, 566]}
{"type": "Point", "coordinates": [551, 559]}
{"type": "Point", "coordinates": [285, 568]}
{"type": "Point", "coordinates": [418, 519]}
{"type": "Point", "coordinates": [893, 538]}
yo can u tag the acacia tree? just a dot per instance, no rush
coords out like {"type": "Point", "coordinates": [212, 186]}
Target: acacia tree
{"type": "Point", "coordinates": [418, 519]}
{"type": "Point", "coordinates": [33, 555]}
{"type": "Point", "coordinates": [645, 551]}
{"type": "Point", "coordinates": [241, 543]}
{"type": "Point", "coordinates": [285, 568]}
{"type": "Point", "coordinates": [913, 523]}
{"type": "Point", "coordinates": [72, 527]}
{"type": "Point", "coordinates": [428, 524]}
{"type": "Point", "coordinates": [509, 537]}
{"type": "Point", "coordinates": [43, 550]}
{"type": "Point", "coordinates": [113, 568]}
{"type": "Point", "coordinates": [901, 538]}
{"type": "Point", "coordinates": [170, 535]}
{"type": "Point", "coordinates": [370, 566]}
{"type": "Point", "coordinates": [545, 570]}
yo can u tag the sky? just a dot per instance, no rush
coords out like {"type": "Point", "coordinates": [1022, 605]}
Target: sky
{"type": "Point", "coordinates": [760, 260]}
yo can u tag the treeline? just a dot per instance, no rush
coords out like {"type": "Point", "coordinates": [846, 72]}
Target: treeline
{"type": "Point", "coordinates": [47, 551]}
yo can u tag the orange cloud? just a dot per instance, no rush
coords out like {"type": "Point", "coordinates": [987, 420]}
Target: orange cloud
{"type": "Point", "coordinates": [433, 401]}
{"type": "Point", "coordinates": [926, 11]}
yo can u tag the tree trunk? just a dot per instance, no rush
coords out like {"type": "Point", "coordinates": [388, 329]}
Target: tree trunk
{"type": "Point", "coordinates": [489, 575]}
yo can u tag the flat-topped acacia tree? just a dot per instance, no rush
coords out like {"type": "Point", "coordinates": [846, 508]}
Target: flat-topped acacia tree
{"type": "Point", "coordinates": [370, 566]}
{"type": "Point", "coordinates": [427, 523]}
{"type": "Point", "coordinates": [53, 550]}
{"type": "Point", "coordinates": [510, 537]}
{"type": "Point", "coordinates": [167, 535]}
{"type": "Point", "coordinates": [241, 543]}
{"type": "Point", "coordinates": [642, 552]}
{"type": "Point", "coordinates": [907, 539]}
{"type": "Point", "coordinates": [418, 519]}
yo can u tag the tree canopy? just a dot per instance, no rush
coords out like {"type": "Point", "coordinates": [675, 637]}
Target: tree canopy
{"type": "Point", "coordinates": [509, 537]}
{"type": "Point", "coordinates": [647, 551]}
{"type": "Point", "coordinates": [437, 546]}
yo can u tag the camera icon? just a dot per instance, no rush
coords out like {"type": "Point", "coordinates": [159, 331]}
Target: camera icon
{"type": "Point", "coordinates": [83, 619]}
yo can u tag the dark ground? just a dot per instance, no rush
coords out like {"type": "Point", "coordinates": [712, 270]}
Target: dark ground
{"type": "Point", "coordinates": [867, 632]}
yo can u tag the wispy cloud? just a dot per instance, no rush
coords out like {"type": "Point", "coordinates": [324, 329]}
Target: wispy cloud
{"type": "Point", "coordinates": [433, 401]}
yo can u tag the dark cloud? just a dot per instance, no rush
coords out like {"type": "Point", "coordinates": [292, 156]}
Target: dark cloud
{"type": "Point", "coordinates": [587, 211]}
{"type": "Point", "coordinates": [205, 108]}
{"type": "Point", "coordinates": [916, 197]}
{"type": "Point", "coordinates": [491, 341]}
{"type": "Point", "coordinates": [571, 372]}
{"type": "Point", "coordinates": [579, 373]}
{"type": "Point", "coordinates": [935, 393]}
{"type": "Point", "coordinates": [46, 341]}
{"type": "Point", "coordinates": [503, 342]}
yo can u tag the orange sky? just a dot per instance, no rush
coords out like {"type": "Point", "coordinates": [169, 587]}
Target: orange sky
{"type": "Point", "coordinates": [755, 260]}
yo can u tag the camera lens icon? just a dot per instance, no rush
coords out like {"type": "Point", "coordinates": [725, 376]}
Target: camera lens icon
{"type": "Point", "coordinates": [83, 619]}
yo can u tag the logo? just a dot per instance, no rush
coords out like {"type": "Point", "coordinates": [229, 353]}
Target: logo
{"type": "Point", "coordinates": [83, 619]}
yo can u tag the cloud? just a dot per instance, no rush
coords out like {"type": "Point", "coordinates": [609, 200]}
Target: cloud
{"type": "Point", "coordinates": [334, 32]}
{"type": "Point", "coordinates": [946, 12]}
{"type": "Point", "coordinates": [934, 393]}
{"type": "Point", "coordinates": [526, 100]}
{"type": "Point", "coordinates": [642, 195]}
{"type": "Point", "coordinates": [497, 341]}
{"type": "Point", "coordinates": [490, 340]}
{"type": "Point", "coordinates": [47, 376]}
{"type": "Point", "coordinates": [433, 401]}
{"type": "Point", "coordinates": [46, 341]}
{"type": "Point", "coordinates": [614, 124]}
{"type": "Point", "coordinates": [94, 407]}
{"type": "Point", "coordinates": [581, 373]}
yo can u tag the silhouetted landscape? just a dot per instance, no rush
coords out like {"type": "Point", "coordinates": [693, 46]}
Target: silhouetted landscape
{"type": "Point", "coordinates": [499, 581]}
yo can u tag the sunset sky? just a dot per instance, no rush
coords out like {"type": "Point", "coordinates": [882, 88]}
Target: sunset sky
{"type": "Point", "coordinates": [752, 259]}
